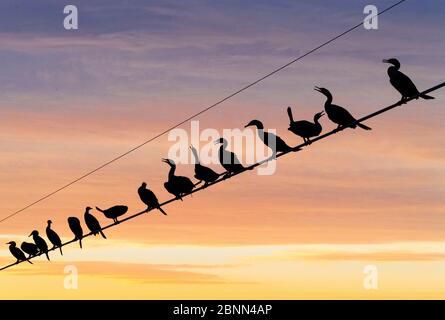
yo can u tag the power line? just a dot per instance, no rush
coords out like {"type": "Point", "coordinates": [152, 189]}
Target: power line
{"type": "Point", "coordinates": [199, 113]}
{"type": "Point", "coordinates": [223, 177]}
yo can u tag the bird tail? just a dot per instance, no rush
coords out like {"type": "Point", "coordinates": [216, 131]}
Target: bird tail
{"type": "Point", "coordinates": [29, 261]}
{"type": "Point", "coordinates": [163, 212]}
{"type": "Point", "coordinates": [363, 126]}
{"type": "Point", "coordinates": [427, 97]}
{"type": "Point", "coordinates": [60, 248]}
{"type": "Point", "coordinates": [47, 256]}
{"type": "Point", "coordinates": [102, 234]}
{"type": "Point", "coordinates": [289, 113]}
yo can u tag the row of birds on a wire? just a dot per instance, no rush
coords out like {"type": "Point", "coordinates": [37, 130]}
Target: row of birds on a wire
{"type": "Point", "coordinates": [181, 186]}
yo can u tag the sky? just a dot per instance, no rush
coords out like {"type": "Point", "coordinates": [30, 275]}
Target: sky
{"type": "Point", "coordinates": [72, 100]}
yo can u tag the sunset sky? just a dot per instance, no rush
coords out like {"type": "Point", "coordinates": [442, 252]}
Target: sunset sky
{"type": "Point", "coordinates": [72, 100]}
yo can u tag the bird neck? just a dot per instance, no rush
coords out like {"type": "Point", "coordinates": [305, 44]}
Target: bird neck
{"type": "Point", "coordinates": [393, 69]}
{"type": "Point", "coordinates": [195, 155]}
{"type": "Point", "coordinates": [262, 134]}
{"type": "Point", "coordinates": [328, 102]}
{"type": "Point", "coordinates": [316, 120]}
{"type": "Point", "coordinates": [171, 173]}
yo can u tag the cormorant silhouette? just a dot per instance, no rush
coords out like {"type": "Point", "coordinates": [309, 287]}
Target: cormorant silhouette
{"type": "Point", "coordinates": [149, 198]}
{"type": "Point", "coordinates": [92, 223]}
{"type": "Point", "coordinates": [53, 237]}
{"type": "Point", "coordinates": [203, 173]}
{"type": "Point", "coordinates": [76, 228]}
{"type": "Point", "coordinates": [16, 252]}
{"type": "Point", "coordinates": [29, 248]}
{"type": "Point", "coordinates": [402, 83]}
{"type": "Point", "coordinates": [337, 114]}
{"type": "Point", "coordinates": [274, 142]}
{"type": "Point", "coordinates": [40, 243]}
{"type": "Point", "coordinates": [228, 159]}
{"type": "Point", "coordinates": [177, 185]}
{"type": "Point", "coordinates": [113, 212]}
{"type": "Point", "coordinates": [304, 128]}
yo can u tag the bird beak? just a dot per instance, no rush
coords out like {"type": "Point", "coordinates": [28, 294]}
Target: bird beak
{"type": "Point", "coordinates": [246, 125]}
{"type": "Point", "coordinates": [217, 141]}
{"type": "Point", "coordinates": [322, 114]}
{"type": "Point", "coordinates": [385, 61]}
{"type": "Point", "coordinates": [8, 242]}
{"type": "Point", "coordinates": [30, 234]}
{"type": "Point", "coordinates": [164, 160]}
{"type": "Point", "coordinates": [317, 89]}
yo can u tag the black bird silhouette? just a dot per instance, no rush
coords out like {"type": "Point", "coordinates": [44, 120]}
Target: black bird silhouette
{"type": "Point", "coordinates": [337, 114]}
{"type": "Point", "coordinates": [29, 248]}
{"type": "Point", "coordinates": [274, 142]}
{"type": "Point", "coordinates": [53, 237]}
{"type": "Point", "coordinates": [304, 128]}
{"type": "Point", "coordinates": [40, 243]}
{"type": "Point", "coordinates": [149, 198]}
{"type": "Point", "coordinates": [203, 173]}
{"type": "Point", "coordinates": [177, 185]}
{"type": "Point", "coordinates": [92, 223]}
{"type": "Point", "coordinates": [76, 228]}
{"type": "Point", "coordinates": [16, 252]}
{"type": "Point", "coordinates": [402, 83]}
{"type": "Point", "coordinates": [114, 212]}
{"type": "Point", "coordinates": [228, 159]}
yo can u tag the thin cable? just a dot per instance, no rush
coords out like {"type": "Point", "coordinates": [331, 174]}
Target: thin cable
{"type": "Point", "coordinates": [223, 177]}
{"type": "Point", "coordinates": [199, 113]}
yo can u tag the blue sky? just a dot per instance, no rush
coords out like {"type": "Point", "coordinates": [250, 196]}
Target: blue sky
{"type": "Point", "coordinates": [159, 46]}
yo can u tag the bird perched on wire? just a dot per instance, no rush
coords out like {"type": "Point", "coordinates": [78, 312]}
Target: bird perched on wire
{"type": "Point", "coordinates": [177, 185]}
{"type": "Point", "coordinates": [228, 159]}
{"type": "Point", "coordinates": [29, 248]}
{"type": "Point", "coordinates": [92, 223]}
{"type": "Point", "coordinates": [149, 198]}
{"type": "Point", "coordinates": [304, 128]}
{"type": "Point", "coordinates": [203, 173]}
{"type": "Point", "coordinates": [114, 212]}
{"type": "Point", "coordinates": [40, 243]}
{"type": "Point", "coordinates": [76, 228]}
{"type": "Point", "coordinates": [274, 142]}
{"type": "Point", "coordinates": [53, 237]}
{"type": "Point", "coordinates": [339, 115]}
{"type": "Point", "coordinates": [402, 82]}
{"type": "Point", "coordinates": [16, 252]}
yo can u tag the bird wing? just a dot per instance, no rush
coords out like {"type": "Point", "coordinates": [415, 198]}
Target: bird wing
{"type": "Point", "coordinates": [92, 222]}
{"type": "Point", "coordinates": [404, 84]}
{"type": "Point", "coordinates": [342, 116]}
{"type": "Point", "coordinates": [279, 143]}
{"type": "Point", "coordinates": [53, 236]}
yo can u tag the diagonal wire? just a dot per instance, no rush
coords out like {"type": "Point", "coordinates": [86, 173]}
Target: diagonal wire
{"type": "Point", "coordinates": [223, 176]}
{"type": "Point", "coordinates": [199, 113]}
